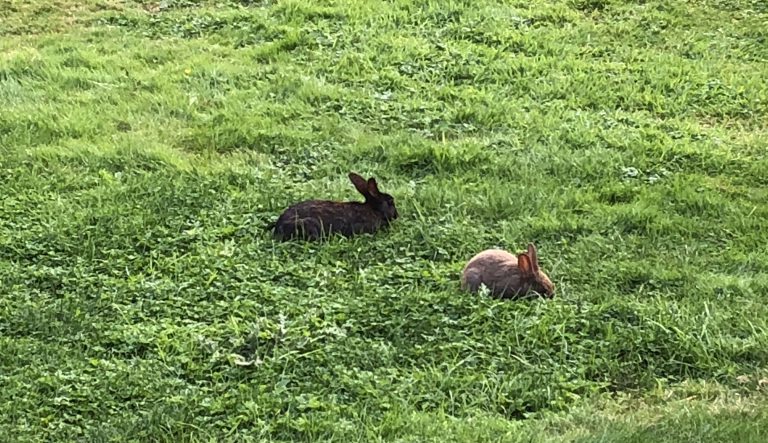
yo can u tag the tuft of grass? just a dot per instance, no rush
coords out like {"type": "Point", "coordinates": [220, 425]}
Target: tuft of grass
{"type": "Point", "coordinates": [145, 145]}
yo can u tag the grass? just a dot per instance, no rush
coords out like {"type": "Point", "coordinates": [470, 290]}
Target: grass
{"type": "Point", "coordinates": [145, 145]}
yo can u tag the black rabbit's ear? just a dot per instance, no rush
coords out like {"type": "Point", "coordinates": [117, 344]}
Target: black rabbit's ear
{"type": "Point", "coordinates": [359, 182]}
{"type": "Point", "coordinates": [534, 257]}
{"type": "Point", "coordinates": [373, 187]}
{"type": "Point", "coordinates": [524, 263]}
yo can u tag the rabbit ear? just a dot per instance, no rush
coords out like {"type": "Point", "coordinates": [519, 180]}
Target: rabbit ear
{"type": "Point", "coordinates": [373, 187]}
{"type": "Point", "coordinates": [524, 263]}
{"type": "Point", "coordinates": [534, 258]}
{"type": "Point", "coordinates": [359, 182]}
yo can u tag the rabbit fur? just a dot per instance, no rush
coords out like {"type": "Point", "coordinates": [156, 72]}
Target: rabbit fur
{"type": "Point", "coordinates": [313, 219]}
{"type": "Point", "coordinates": [506, 275]}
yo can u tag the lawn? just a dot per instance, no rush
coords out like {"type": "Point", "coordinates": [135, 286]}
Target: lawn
{"type": "Point", "coordinates": [146, 145]}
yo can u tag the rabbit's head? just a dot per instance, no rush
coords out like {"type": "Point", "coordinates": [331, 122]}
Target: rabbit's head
{"type": "Point", "coordinates": [381, 202]}
{"type": "Point", "coordinates": [531, 275]}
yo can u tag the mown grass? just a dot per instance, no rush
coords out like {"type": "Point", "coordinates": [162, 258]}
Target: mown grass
{"type": "Point", "coordinates": [145, 145]}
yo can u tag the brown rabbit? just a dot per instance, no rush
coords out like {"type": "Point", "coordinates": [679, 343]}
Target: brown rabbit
{"type": "Point", "coordinates": [313, 219]}
{"type": "Point", "coordinates": [505, 275]}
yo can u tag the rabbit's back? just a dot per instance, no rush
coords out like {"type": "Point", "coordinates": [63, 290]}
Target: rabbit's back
{"type": "Point", "coordinates": [495, 268]}
{"type": "Point", "coordinates": [316, 218]}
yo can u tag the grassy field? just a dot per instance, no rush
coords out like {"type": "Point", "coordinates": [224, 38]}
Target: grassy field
{"type": "Point", "coordinates": [146, 145]}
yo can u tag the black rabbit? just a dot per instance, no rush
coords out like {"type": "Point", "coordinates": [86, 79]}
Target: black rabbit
{"type": "Point", "coordinates": [314, 219]}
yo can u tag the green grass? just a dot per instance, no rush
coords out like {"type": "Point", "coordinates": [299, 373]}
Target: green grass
{"type": "Point", "coordinates": [145, 145]}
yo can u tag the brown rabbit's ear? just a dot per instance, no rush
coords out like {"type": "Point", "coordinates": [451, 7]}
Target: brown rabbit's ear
{"type": "Point", "coordinates": [359, 182]}
{"type": "Point", "coordinates": [524, 263]}
{"type": "Point", "coordinates": [534, 257]}
{"type": "Point", "coordinates": [373, 187]}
